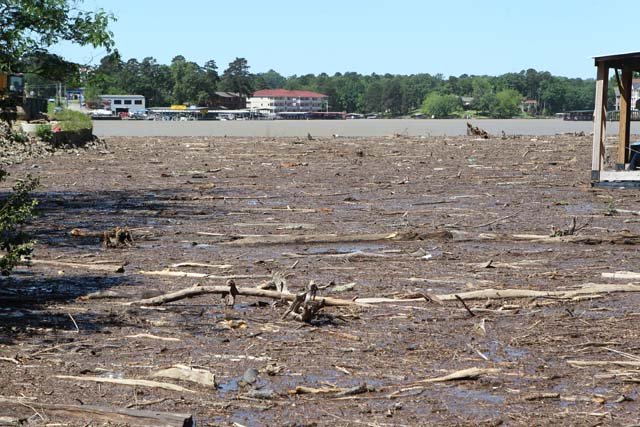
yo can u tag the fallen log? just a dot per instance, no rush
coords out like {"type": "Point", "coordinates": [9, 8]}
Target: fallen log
{"type": "Point", "coordinates": [586, 289]}
{"type": "Point", "coordinates": [225, 290]}
{"type": "Point", "coordinates": [93, 267]}
{"type": "Point", "coordinates": [623, 238]}
{"type": "Point", "coordinates": [279, 239]}
{"type": "Point", "coordinates": [465, 374]}
{"type": "Point", "coordinates": [624, 275]}
{"type": "Point", "coordinates": [199, 264]}
{"type": "Point", "coordinates": [129, 382]}
{"type": "Point", "coordinates": [587, 363]}
{"type": "Point", "coordinates": [108, 414]}
{"type": "Point", "coordinates": [591, 289]}
{"type": "Point", "coordinates": [203, 275]}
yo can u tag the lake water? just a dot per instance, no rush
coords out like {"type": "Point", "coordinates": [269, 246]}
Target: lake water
{"type": "Point", "coordinates": [327, 128]}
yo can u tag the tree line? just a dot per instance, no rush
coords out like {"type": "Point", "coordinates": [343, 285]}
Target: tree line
{"type": "Point", "coordinates": [186, 82]}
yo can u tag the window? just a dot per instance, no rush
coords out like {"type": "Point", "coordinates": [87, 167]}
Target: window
{"type": "Point", "coordinates": [117, 101]}
{"type": "Point", "coordinates": [127, 102]}
{"type": "Point", "coordinates": [138, 102]}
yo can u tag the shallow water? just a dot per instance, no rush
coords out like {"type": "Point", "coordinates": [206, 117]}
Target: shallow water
{"type": "Point", "coordinates": [350, 128]}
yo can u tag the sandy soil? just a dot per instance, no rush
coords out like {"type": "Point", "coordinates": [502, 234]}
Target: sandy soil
{"type": "Point", "coordinates": [190, 199]}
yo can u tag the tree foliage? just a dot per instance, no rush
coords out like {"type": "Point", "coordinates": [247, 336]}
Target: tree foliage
{"type": "Point", "coordinates": [389, 94]}
{"type": "Point", "coordinates": [440, 106]}
{"type": "Point", "coordinates": [32, 25]}
{"type": "Point", "coordinates": [236, 78]}
{"type": "Point", "coordinates": [15, 210]}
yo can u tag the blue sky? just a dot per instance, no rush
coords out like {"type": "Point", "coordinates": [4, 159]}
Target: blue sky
{"type": "Point", "coordinates": [397, 37]}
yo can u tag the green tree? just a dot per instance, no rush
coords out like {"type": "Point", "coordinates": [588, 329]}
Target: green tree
{"type": "Point", "coordinates": [15, 209]}
{"type": "Point", "coordinates": [372, 98]}
{"type": "Point", "coordinates": [483, 97]}
{"type": "Point", "coordinates": [507, 104]}
{"type": "Point", "coordinates": [236, 78]}
{"type": "Point", "coordinates": [30, 25]}
{"type": "Point", "coordinates": [392, 97]}
{"type": "Point", "coordinates": [192, 83]}
{"type": "Point", "coordinates": [441, 106]}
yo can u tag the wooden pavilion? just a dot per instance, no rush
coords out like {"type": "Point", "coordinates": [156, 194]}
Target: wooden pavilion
{"type": "Point", "coordinates": [624, 173]}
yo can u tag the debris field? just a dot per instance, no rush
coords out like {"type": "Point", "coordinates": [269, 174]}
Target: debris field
{"type": "Point", "coordinates": [341, 281]}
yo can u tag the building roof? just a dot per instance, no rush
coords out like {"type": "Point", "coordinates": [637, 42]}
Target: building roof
{"type": "Point", "coordinates": [618, 60]}
{"type": "Point", "coordinates": [121, 96]}
{"type": "Point", "coordinates": [284, 93]}
{"type": "Point", "coordinates": [227, 94]}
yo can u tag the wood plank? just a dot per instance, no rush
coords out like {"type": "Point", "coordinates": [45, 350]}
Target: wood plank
{"type": "Point", "coordinates": [625, 118]}
{"type": "Point", "coordinates": [107, 414]}
{"type": "Point", "coordinates": [600, 118]}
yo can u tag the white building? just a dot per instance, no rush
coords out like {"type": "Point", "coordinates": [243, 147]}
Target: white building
{"type": "Point", "coordinates": [274, 101]}
{"type": "Point", "coordinates": [123, 103]}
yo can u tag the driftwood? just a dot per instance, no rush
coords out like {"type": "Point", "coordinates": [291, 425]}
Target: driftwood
{"type": "Point", "coordinates": [154, 337]}
{"type": "Point", "coordinates": [590, 289]}
{"type": "Point", "coordinates": [465, 374]}
{"type": "Point", "coordinates": [476, 131]}
{"type": "Point", "coordinates": [203, 275]}
{"type": "Point", "coordinates": [187, 373]}
{"type": "Point", "coordinates": [198, 264]}
{"type": "Point", "coordinates": [135, 383]}
{"type": "Point", "coordinates": [107, 414]}
{"type": "Point", "coordinates": [278, 239]}
{"type": "Point", "coordinates": [624, 275]}
{"type": "Point", "coordinates": [587, 363]}
{"type": "Point", "coordinates": [226, 290]}
{"type": "Point", "coordinates": [93, 267]}
{"type": "Point", "coordinates": [335, 391]}
{"type": "Point", "coordinates": [304, 307]}
{"type": "Point", "coordinates": [623, 238]}
{"type": "Point", "coordinates": [118, 237]}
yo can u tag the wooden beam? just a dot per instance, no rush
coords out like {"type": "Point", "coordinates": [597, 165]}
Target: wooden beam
{"type": "Point", "coordinates": [625, 118]}
{"type": "Point", "coordinates": [599, 121]}
{"type": "Point", "coordinates": [111, 415]}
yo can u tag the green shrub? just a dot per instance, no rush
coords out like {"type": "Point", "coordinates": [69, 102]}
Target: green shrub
{"type": "Point", "coordinates": [70, 120]}
{"type": "Point", "coordinates": [15, 210]}
{"type": "Point", "coordinates": [19, 137]}
{"type": "Point", "coordinates": [44, 132]}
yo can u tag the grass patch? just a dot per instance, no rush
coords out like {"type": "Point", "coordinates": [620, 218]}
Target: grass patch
{"type": "Point", "coordinates": [70, 120]}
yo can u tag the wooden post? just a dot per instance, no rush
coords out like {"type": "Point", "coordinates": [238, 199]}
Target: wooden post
{"type": "Point", "coordinates": [625, 118]}
{"type": "Point", "coordinates": [599, 121]}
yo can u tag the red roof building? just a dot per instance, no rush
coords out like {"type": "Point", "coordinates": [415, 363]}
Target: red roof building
{"type": "Point", "coordinates": [274, 101]}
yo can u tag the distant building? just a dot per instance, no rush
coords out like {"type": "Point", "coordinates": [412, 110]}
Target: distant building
{"type": "Point", "coordinates": [529, 106]}
{"type": "Point", "coordinates": [274, 101]}
{"type": "Point", "coordinates": [467, 102]}
{"type": "Point", "coordinates": [123, 103]}
{"type": "Point", "coordinates": [227, 101]}
{"type": "Point", "coordinates": [635, 95]}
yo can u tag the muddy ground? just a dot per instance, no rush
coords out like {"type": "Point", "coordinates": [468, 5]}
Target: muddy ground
{"type": "Point", "coordinates": [192, 199]}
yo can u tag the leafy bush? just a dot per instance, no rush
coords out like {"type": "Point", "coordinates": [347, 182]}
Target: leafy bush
{"type": "Point", "coordinates": [20, 137]}
{"type": "Point", "coordinates": [441, 106]}
{"type": "Point", "coordinates": [44, 132]}
{"type": "Point", "coordinates": [71, 120]}
{"type": "Point", "coordinates": [15, 210]}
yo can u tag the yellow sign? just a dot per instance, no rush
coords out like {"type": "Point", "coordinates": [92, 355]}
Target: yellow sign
{"type": "Point", "coordinates": [178, 107]}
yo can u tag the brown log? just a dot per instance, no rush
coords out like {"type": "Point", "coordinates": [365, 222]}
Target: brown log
{"type": "Point", "coordinates": [94, 267]}
{"type": "Point", "coordinates": [622, 238]}
{"type": "Point", "coordinates": [224, 290]}
{"type": "Point", "coordinates": [279, 239]}
{"type": "Point", "coordinates": [104, 413]}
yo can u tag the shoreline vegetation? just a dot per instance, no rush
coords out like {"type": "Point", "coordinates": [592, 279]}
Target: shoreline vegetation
{"type": "Point", "coordinates": [528, 93]}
